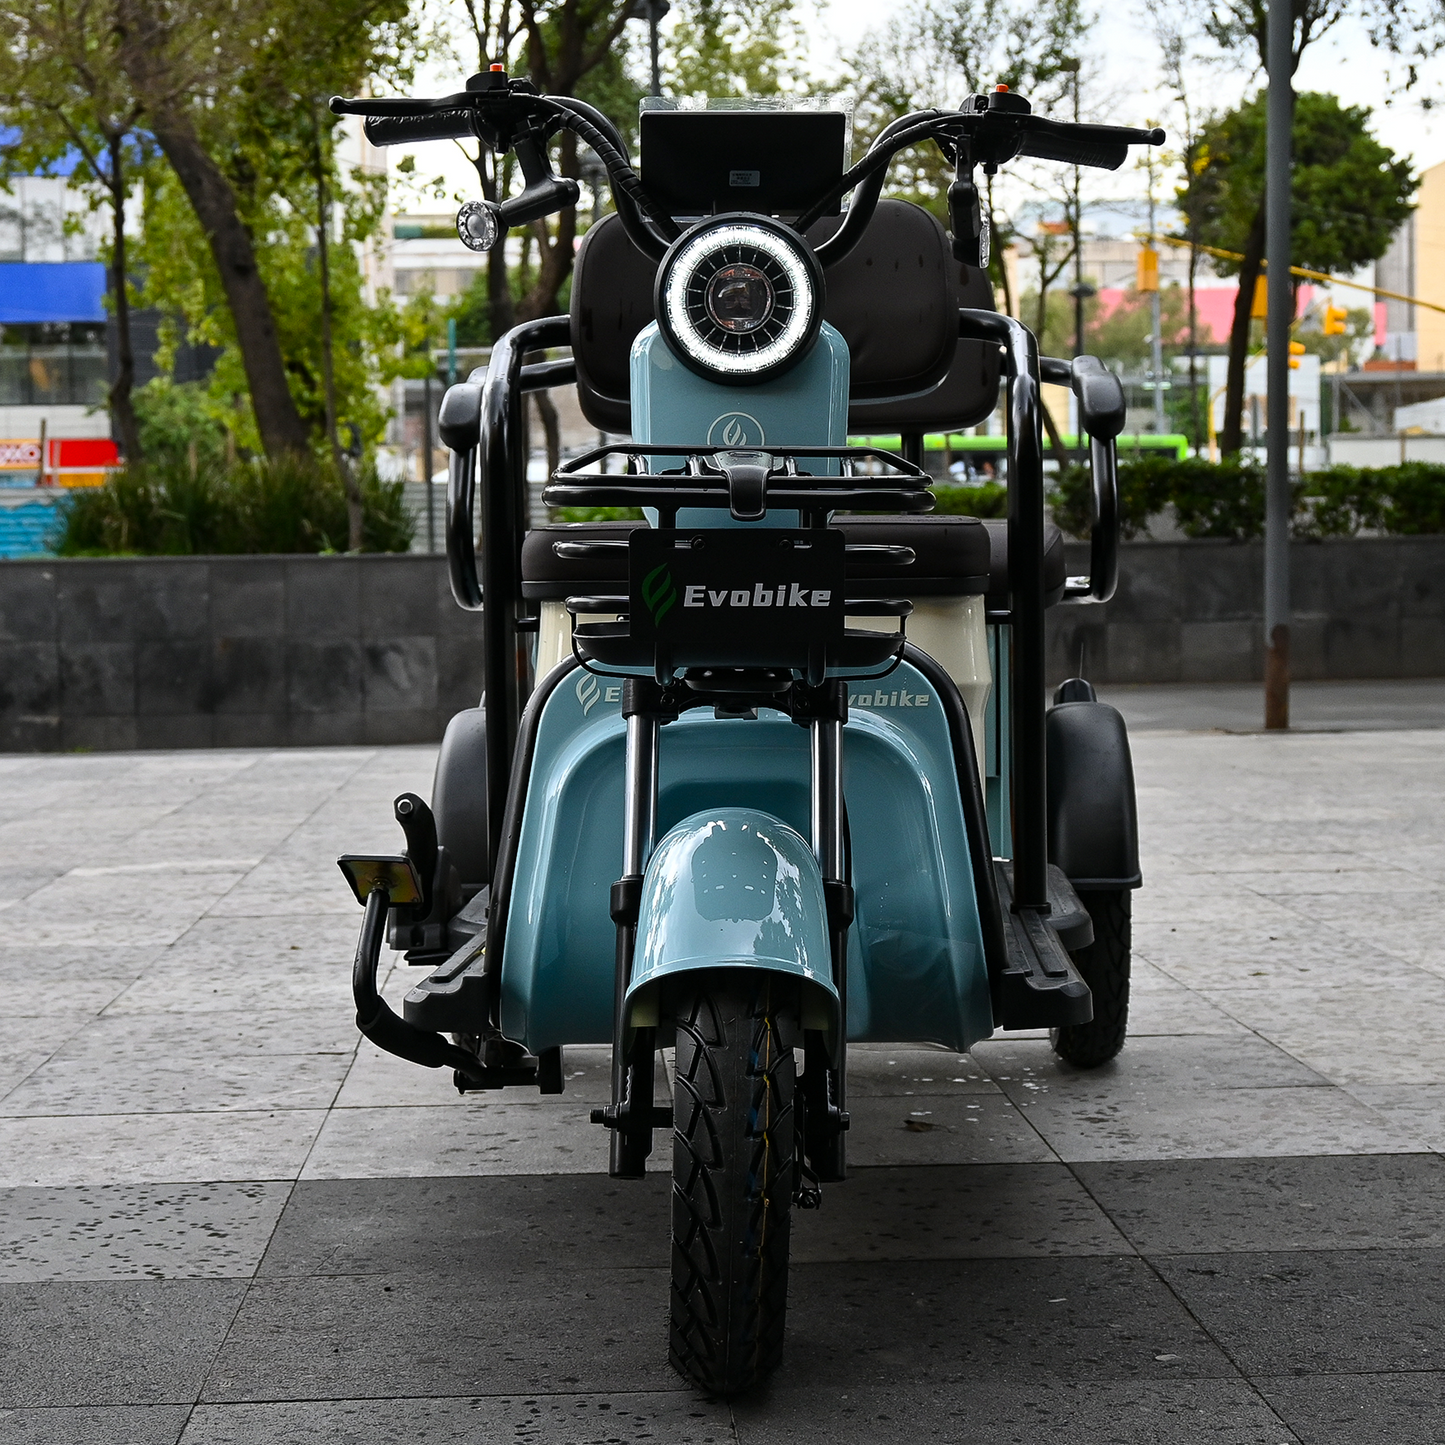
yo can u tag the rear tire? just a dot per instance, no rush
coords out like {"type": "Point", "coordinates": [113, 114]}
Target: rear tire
{"type": "Point", "coordinates": [733, 1177]}
{"type": "Point", "coordinates": [1104, 966]}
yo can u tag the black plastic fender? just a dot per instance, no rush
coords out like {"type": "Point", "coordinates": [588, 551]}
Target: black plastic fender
{"type": "Point", "coordinates": [1093, 820]}
{"type": "Point", "coordinates": [459, 797]}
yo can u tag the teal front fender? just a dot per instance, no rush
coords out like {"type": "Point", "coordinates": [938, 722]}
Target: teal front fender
{"type": "Point", "coordinates": [734, 888]}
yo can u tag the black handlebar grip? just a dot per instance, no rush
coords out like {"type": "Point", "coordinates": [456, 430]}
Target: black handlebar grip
{"type": "Point", "coordinates": [396, 130]}
{"type": "Point", "coordinates": [1103, 146]}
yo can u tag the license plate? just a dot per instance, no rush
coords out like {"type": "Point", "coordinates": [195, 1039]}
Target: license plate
{"type": "Point", "coordinates": [736, 596]}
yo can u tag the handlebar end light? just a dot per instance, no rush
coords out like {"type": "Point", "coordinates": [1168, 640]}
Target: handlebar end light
{"type": "Point", "coordinates": [479, 225]}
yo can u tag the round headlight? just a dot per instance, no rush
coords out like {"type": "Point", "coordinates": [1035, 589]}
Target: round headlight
{"type": "Point", "coordinates": [739, 299]}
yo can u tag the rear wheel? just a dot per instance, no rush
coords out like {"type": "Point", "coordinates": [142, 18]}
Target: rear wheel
{"type": "Point", "coordinates": [733, 1177]}
{"type": "Point", "coordinates": [1104, 966]}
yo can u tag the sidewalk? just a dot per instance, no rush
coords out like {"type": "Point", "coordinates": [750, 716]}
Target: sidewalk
{"type": "Point", "coordinates": [224, 1222]}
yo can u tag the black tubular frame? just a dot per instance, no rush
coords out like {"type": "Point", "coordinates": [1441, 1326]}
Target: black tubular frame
{"type": "Point", "coordinates": [1028, 786]}
{"type": "Point", "coordinates": [501, 457]}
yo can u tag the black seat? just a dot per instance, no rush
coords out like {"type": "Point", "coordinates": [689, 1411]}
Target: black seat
{"type": "Point", "coordinates": [894, 298]}
{"type": "Point", "coordinates": [952, 557]}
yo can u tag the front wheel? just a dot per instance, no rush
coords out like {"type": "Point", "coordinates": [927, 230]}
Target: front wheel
{"type": "Point", "coordinates": [1104, 966]}
{"type": "Point", "coordinates": [733, 1176]}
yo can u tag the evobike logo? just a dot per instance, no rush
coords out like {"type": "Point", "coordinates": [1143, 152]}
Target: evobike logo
{"type": "Point", "coordinates": [590, 692]}
{"type": "Point", "coordinates": [900, 698]}
{"type": "Point", "coordinates": [659, 593]}
{"type": "Point", "coordinates": [736, 429]}
{"type": "Point", "coordinates": [783, 594]}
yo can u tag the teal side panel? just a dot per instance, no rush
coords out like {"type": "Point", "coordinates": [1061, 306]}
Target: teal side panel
{"type": "Point", "coordinates": [916, 965]}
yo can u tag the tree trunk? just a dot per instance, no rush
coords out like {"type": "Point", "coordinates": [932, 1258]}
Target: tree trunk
{"type": "Point", "coordinates": [122, 409]}
{"type": "Point", "coordinates": [350, 482]}
{"type": "Point", "coordinates": [1231, 434]}
{"type": "Point", "coordinates": [214, 202]}
{"type": "Point", "coordinates": [551, 429]}
{"type": "Point", "coordinates": [554, 256]}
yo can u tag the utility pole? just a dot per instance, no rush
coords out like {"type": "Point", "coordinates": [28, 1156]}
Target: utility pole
{"type": "Point", "coordinates": [1280, 293]}
{"type": "Point", "coordinates": [652, 11]}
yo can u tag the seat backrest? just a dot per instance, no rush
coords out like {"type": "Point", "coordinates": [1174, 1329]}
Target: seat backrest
{"type": "Point", "coordinates": [894, 299]}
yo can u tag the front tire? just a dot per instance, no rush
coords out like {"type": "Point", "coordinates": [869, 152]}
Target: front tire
{"type": "Point", "coordinates": [733, 1176]}
{"type": "Point", "coordinates": [1104, 966]}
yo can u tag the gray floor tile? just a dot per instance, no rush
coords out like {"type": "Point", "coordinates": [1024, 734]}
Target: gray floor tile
{"type": "Point", "coordinates": [478, 1134]}
{"type": "Point", "coordinates": [120, 1231]}
{"type": "Point", "coordinates": [899, 1325]}
{"type": "Point", "coordinates": [972, 1128]}
{"type": "Point", "coordinates": [1319, 1312]}
{"type": "Point", "coordinates": [1353, 1409]}
{"type": "Point", "coordinates": [671, 1417]}
{"type": "Point", "coordinates": [137, 1342]}
{"type": "Point", "coordinates": [1059, 1412]}
{"type": "Point", "coordinates": [975, 1211]}
{"type": "Point", "coordinates": [1416, 1109]}
{"type": "Point", "coordinates": [554, 1223]}
{"type": "Point", "coordinates": [881, 1070]}
{"type": "Point", "coordinates": [387, 1336]}
{"type": "Point", "coordinates": [102, 1425]}
{"type": "Point", "coordinates": [57, 1150]}
{"type": "Point", "coordinates": [175, 1063]}
{"type": "Point", "coordinates": [1187, 1097]}
{"type": "Point", "coordinates": [1354, 1035]}
{"type": "Point", "coordinates": [1203, 1206]}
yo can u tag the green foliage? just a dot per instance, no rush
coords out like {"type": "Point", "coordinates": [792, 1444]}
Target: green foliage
{"type": "Point", "coordinates": [181, 280]}
{"type": "Point", "coordinates": [1349, 193]}
{"type": "Point", "coordinates": [988, 499]}
{"type": "Point", "coordinates": [167, 507]}
{"type": "Point", "coordinates": [1407, 500]}
{"type": "Point", "coordinates": [177, 421]}
{"type": "Point", "coordinates": [1226, 499]}
{"type": "Point", "coordinates": [736, 48]}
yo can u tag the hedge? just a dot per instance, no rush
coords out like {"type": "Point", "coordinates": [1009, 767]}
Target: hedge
{"type": "Point", "coordinates": [181, 507]}
{"type": "Point", "coordinates": [1226, 499]}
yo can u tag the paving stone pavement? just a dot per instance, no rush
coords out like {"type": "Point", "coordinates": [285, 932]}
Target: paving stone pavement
{"type": "Point", "coordinates": [223, 1221]}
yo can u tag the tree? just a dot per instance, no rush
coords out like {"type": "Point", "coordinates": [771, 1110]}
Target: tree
{"type": "Point", "coordinates": [203, 73]}
{"type": "Point", "coordinates": [1349, 195]}
{"type": "Point", "coordinates": [60, 87]}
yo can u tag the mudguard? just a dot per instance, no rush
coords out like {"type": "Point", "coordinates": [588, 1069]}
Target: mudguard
{"type": "Point", "coordinates": [734, 888]}
{"type": "Point", "coordinates": [1093, 823]}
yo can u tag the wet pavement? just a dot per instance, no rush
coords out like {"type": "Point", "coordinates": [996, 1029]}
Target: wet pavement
{"type": "Point", "coordinates": [223, 1221]}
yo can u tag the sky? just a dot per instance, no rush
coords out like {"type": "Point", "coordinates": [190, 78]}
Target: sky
{"type": "Point", "coordinates": [1123, 84]}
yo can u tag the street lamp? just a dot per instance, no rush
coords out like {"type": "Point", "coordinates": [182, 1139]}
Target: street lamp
{"type": "Point", "coordinates": [651, 11]}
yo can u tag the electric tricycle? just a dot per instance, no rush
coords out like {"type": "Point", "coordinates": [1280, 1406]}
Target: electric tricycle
{"type": "Point", "coordinates": [771, 772]}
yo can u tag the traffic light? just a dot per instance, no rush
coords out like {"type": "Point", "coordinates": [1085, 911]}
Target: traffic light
{"type": "Point", "coordinates": [1334, 322]}
{"type": "Point", "coordinates": [1296, 350]}
{"type": "Point", "coordinates": [1259, 307]}
{"type": "Point", "coordinates": [1147, 272]}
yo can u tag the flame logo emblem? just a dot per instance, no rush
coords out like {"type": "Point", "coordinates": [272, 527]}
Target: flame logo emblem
{"type": "Point", "coordinates": [659, 593]}
{"type": "Point", "coordinates": [736, 429]}
{"type": "Point", "coordinates": [588, 692]}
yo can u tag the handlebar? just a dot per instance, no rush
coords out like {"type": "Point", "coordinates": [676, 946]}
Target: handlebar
{"type": "Point", "coordinates": [508, 114]}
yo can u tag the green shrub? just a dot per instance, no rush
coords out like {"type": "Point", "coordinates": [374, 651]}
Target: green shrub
{"type": "Point", "coordinates": [988, 499]}
{"type": "Point", "coordinates": [597, 514]}
{"type": "Point", "coordinates": [1226, 499]}
{"type": "Point", "coordinates": [167, 507]}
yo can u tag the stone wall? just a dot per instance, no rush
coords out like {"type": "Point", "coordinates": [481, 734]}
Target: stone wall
{"type": "Point", "coordinates": [1193, 612]}
{"type": "Point", "coordinates": [162, 652]}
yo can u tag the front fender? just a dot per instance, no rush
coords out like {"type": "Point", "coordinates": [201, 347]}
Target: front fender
{"type": "Point", "coordinates": [734, 888]}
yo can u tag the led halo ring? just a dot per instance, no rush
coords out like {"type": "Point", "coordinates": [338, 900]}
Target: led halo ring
{"type": "Point", "coordinates": [765, 273]}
